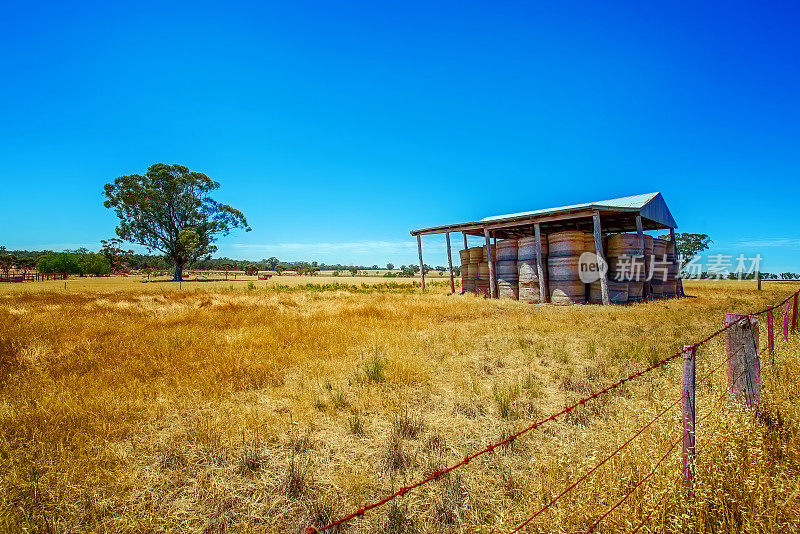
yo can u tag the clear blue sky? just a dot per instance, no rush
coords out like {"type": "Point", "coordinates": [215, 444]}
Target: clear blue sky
{"type": "Point", "coordinates": [337, 127]}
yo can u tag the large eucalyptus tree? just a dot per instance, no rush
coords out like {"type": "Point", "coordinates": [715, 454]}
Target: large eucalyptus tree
{"type": "Point", "coordinates": [170, 209]}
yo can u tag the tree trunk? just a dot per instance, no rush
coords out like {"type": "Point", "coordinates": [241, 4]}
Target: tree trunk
{"type": "Point", "coordinates": [178, 277]}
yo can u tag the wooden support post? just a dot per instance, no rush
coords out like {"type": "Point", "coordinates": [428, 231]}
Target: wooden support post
{"type": "Point", "coordinates": [598, 243]}
{"type": "Point", "coordinates": [465, 240]}
{"type": "Point", "coordinates": [421, 265]}
{"type": "Point", "coordinates": [540, 267]}
{"type": "Point", "coordinates": [770, 335]}
{"type": "Point", "coordinates": [676, 264]}
{"type": "Point", "coordinates": [741, 348]}
{"type": "Point", "coordinates": [794, 314]}
{"type": "Point", "coordinates": [758, 279]}
{"type": "Point", "coordinates": [646, 289]}
{"type": "Point", "coordinates": [450, 264]}
{"type": "Point", "coordinates": [688, 419]}
{"type": "Point", "coordinates": [786, 321]}
{"type": "Point", "coordinates": [490, 257]}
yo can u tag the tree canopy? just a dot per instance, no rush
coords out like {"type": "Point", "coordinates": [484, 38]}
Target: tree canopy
{"type": "Point", "coordinates": [60, 262]}
{"type": "Point", "coordinates": [689, 245]}
{"type": "Point", "coordinates": [169, 209]}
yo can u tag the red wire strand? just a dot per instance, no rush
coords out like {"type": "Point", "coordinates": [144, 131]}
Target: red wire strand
{"type": "Point", "coordinates": [660, 461]}
{"type": "Point", "coordinates": [614, 453]}
{"type": "Point", "coordinates": [436, 475]}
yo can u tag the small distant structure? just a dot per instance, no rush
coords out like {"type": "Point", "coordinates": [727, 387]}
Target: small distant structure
{"type": "Point", "coordinates": [598, 219]}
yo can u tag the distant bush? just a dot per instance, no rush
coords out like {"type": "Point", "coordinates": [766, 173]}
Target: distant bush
{"type": "Point", "coordinates": [59, 262]}
{"type": "Point", "coordinates": [96, 264]}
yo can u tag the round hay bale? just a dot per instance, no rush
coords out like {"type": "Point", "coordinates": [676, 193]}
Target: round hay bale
{"type": "Point", "coordinates": [659, 248]}
{"type": "Point", "coordinates": [526, 247]}
{"type": "Point", "coordinates": [624, 245]}
{"type": "Point", "coordinates": [648, 246]}
{"type": "Point", "coordinates": [475, 254]}
{"type": "Point", "coordinates": [617, 292]}
{"type": "Point", "coordinates": [507, 290]}
{"type": "Point", "coordinates": [565, 292]}
{"type": "Point", "coordinates": [588, 239]}
{"type": "Point", "coordinates": [626, 268]}
{"type": "Point", "coordinates": [483, 272]}
{"type": "Point", "coordinates": [635, 291]}
{"type": "Point", "coordinates": [656, 288]}
{"type": "Point", "coordinates": [529, 292]}
{"type": "Point", "coordinates": [464, 254]}
{"type": "Point", "coordinates": [563, 268]}
{"type": "Point", "coordinates": [507, 250]}
{"type": "Point", "coordinates": [670, 288]}
{"type": "Point", "coordinates": [507, 269]}
{"type": "Point", "coordinates": [528, 272]}
{"type": "Point", "coordinates": [566, 243]}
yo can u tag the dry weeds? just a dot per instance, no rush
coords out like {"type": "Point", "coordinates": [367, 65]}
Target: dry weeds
{"type": "Point", "coordinates": [138, 407]}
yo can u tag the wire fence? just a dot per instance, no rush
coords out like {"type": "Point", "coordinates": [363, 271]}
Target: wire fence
{"type": "Point", "coordinates": [790, 306]}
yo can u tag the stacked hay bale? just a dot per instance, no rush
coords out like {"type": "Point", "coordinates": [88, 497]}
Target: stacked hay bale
{"type": "Point", "coordinates": [479, 270]}
{"type": "Point", "coordinates": [626, 272]}
{"type": "Point", "coordinates": [671, 284]}
{"type": "Point", "coordinates": [528, 274]}
{"type": "Point", "coordinates": [648, 254]}
{"type": "Point", "coordinates": [467, 279]}
{"type": "Point", "coordinates": [483, 285]}
{"type": "Point", "coordinates": [617, 292]}
{"type": "Point", "coordinates": [588, 238]}
{"type": "Point", "coordinates": [507, 275]}
{"type": "Point", "coordinates": [565, 249]}
{"type": "Point", "coordinates": [657, 268]}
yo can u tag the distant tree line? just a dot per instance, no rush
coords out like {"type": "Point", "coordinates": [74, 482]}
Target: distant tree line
{"type": "Point", "coordinates": [112, 257]}
{"type": "Point", "coordinates": [80, 262]}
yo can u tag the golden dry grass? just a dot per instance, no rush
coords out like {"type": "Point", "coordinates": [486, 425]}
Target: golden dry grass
{"type": "Point", "coordinates": [139, 407]}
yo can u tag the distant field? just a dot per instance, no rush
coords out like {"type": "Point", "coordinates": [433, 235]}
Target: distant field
{"type": "Point", "coordinates": [138, 282]}
{"type": "Point", "coordinates": [129, 406]}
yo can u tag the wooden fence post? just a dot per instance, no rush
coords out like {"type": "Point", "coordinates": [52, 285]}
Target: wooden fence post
{"type": "Point", "coordinates": [794, 314]}
{"type": "Point", "coordinates": [770, 335]}
{"type": "Point", "coordinates": [688, 419]}
{"type": "Point", "coordinates": [741, 348]}
{"type": "Point", "coordinates": [786, 321]}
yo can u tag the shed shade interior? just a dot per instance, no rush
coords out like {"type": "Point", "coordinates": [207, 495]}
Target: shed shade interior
{"type": "Point", "coordinates": [618, 215]}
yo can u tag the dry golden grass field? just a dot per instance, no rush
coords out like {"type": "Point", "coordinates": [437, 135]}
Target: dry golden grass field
{"type": "Point", "coordinates": [213, 407]}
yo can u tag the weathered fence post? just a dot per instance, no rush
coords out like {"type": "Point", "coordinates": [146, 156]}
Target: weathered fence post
{"type": "Point", "coordinates": [688, 419]}
{"type": "Point", "coordinates": [741, 348]}
{"type": "Point", "coordinates": [770, 335]}
{"type": "Point", "coordinates": [786, 321]}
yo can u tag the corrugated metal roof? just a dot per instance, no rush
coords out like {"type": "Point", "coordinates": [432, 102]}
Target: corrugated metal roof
{"type": "Point", "coordinates": [650, 205]}
{"type": "Point", "coordinates": [635, 202]}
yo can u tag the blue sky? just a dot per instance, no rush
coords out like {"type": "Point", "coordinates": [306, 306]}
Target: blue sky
{"type": "Point", "coordinates": [337, 127]}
